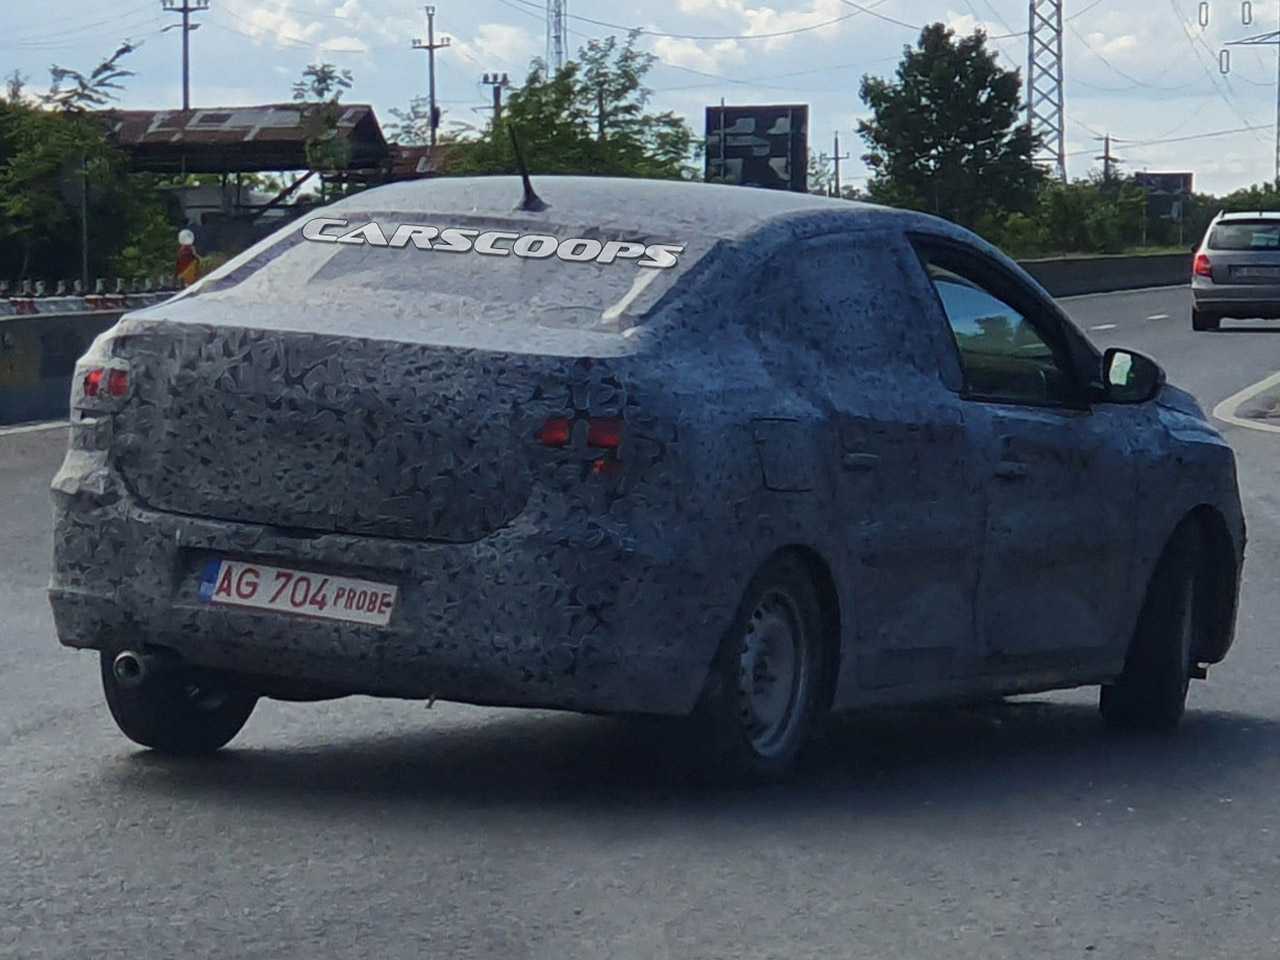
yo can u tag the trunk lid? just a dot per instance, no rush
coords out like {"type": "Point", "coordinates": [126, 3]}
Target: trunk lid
{"type": "Point", "coordinates": [328, 433]}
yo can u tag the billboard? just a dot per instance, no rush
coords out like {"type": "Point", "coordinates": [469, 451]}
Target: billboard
{"type": "Point", "coordinates": [1176, 184]}
{"type": "Point", "coordinates": [1166, 193]}
{"type": "Point", "coordinates": [759, 146]}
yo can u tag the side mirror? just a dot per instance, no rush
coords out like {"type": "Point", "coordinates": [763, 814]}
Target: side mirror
{"type": "Point", "coordinates": [1130, 377]}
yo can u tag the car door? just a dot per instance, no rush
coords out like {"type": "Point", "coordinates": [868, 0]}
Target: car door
{"type": "Point", "coordinates": [1061, 478]}
{"type": "Point", "coordinates": [907, 497]}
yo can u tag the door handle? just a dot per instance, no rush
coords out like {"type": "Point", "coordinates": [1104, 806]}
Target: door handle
{"type": "Point", "coordinates": [1011, 470]}
{"type": "Point", "coordinates": [860, 461]}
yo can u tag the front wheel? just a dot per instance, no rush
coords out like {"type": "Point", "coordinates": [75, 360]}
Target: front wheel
{"type": "Point", "coordinates": [766, 689]}
{"type": "Point", "coordinates": [1151, 692]}
{"type": "Point", "coordinates": [176, 711]}
{"type": "Point", "coordinates": [1200, 320]}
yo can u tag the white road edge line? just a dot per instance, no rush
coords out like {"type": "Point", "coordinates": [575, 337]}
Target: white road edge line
{"type": "Point", "coordinates": [1118, 293]}
{"type": "Point", "coordinates": [33, 427]}
{"type": "Point", "coordinates": [1226, 410]}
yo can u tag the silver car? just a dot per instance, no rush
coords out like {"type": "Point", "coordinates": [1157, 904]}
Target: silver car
{"type": "Point", "coordinates": [1236, 271]}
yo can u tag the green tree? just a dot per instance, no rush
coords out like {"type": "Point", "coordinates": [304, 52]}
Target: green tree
{"type": "Point", "coordinates": [945, 136]}
{"type": "Point", "coordinates": [47, 146]}
{"type": "Point", "coordinates": [320, 89]}
{"type": "Point", "coordinates": [588, 118]}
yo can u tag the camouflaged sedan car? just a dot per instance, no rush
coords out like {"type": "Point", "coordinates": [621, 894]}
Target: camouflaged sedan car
{"type": "Point", "coordinates": [632, 447]}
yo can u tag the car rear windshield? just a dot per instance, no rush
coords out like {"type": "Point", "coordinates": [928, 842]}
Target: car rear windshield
{"type": "Point", "coordinates": [1246, 235]}
{"type": "Point", "coordinates": [545, 273]}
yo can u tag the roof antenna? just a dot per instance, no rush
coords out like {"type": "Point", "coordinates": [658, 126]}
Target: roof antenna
{"type": "Point", "coordinates": [531, 200]}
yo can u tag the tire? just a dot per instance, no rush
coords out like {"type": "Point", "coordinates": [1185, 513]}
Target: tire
{"type": "Point", "coordinates": [175, 711]}
{"type": "Point", "coordinates": [1200, 320]}
{"type": "Point", "coordinates": [1151, 692]}
{"type": "Point", "coordinates": [767, 686]}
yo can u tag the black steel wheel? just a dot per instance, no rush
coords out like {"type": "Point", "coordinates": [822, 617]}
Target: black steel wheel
{"type": "Point", "coordinates": [766, 690]}
{"type": "Point", "coordinates": [1151, 692]}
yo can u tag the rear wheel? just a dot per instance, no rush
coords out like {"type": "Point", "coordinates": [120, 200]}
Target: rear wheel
{"type": "Point", "coordinates": [1151, 692]}
{"type": "Point", "coordinates": [176, 711]}
{"type": "Point", "coordinates": [766, 689]}
{"type": "Point", "coordinates": [1201, 320]}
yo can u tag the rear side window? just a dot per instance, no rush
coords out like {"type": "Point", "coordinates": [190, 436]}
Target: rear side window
{"type": "Point", "coordinates": [465, 267]}
{"type": "Point", "coordinates": [1246, 235]}
{"type": "Point", "coordinates": [844, 297]}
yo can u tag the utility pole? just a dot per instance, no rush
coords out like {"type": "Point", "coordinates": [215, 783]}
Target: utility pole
{"type": "Point", "coordinates": [600, 113]}
{"type": "Point", "coordinates": [836, 156]}
{"type": "Point", "coordinates": [431, 47]}
{"type": "Point", "coordinates": [1107, 158]}
{"type": "Point", "coordinates": [1044, 84]}
{"type": "Point", "coordinates": [557, 34]}
{"type": "Point", "coordinates": [188, 7]}
{"type": "Point", "coordinates": [1260, 40]}
{"type": "Point", "coordinates": [84, 220]}
{"type": "Point", "coordinates": [499, 82]}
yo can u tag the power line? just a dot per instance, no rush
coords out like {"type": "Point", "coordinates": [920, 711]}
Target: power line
{"type": "Point", "coordinates": [1182, 22]}
{"type": "Point", "coordinates": [699, 36]}
{"type": "Point", "coordinates": [65, 31]}
{"type": "Point", "coordinates": [1139, 144]}
{"type": "Point", "coordinates": [1081, 13]}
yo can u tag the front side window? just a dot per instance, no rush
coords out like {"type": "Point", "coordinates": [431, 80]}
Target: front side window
{"type": "Point", "coordinates": [1003, 355]}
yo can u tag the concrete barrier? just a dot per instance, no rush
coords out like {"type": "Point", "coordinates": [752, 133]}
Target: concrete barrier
{"type": "Point", "coordinates": [1069, 276]}
{"type": "Point", "coordinates": [40, 342]}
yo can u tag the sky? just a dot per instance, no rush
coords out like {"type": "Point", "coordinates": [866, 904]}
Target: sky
{"type": "Point", "coordinates": [1144, 71]}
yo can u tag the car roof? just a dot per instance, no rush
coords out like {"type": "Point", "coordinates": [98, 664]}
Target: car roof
{"type": "Point", "coordinates": [1250, 215]}
{"type": "Point", "coordinates": [661, 207]}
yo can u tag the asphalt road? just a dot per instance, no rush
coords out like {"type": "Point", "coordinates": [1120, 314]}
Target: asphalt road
{"type": "Point", "coordinates": [384, 829]}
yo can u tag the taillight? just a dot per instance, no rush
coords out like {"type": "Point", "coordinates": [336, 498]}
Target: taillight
{"type": "Point", "coordinates": [117, 382]}
{"type": "Point", "coordinates": [605, 433]}
{"type": "Point", "coordinates": [1202, 266]}
{"type": "Point", "coordinates": [555, 432]}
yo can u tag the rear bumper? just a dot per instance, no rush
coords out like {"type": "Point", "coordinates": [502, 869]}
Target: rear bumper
{"type": "Point", "coordinates": [580, 617]}
{"type": "Point", "coordinates": [1236, 300]}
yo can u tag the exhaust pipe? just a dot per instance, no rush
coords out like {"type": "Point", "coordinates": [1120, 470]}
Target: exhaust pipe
{"type": "Point", "coordinates": [131, 669]}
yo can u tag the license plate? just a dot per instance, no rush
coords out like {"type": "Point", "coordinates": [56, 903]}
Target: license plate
{"type": "Point", "coordinates": [235, 583]}
{"type": "Point", "coordinates": [1259, 272]}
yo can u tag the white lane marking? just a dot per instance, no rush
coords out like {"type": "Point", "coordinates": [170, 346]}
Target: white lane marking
{"type": "Point", "coordinates": [1226, 410]}
{"type": "Point", "coordinates": [33, 427]}
{"type": "Point", "coordinates": [1158, 316]}
{"type": "Point", "coordinates": [1104, 326]}
{"type": "Point", "coordinates": [1121, 293]}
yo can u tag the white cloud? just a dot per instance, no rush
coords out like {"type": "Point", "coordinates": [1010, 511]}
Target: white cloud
{"type": "Point", "coordinates": [263, 22]}
{"type": "Point", "coordinates": [512, 46]}
{"type": "Point", "coordinates": [710, 56]}
{"type": "Point", "coordinates": [344, 45]}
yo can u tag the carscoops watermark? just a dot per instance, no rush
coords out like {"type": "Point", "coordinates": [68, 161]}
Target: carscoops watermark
{"type": "Point", "coordinates": [494, 243]}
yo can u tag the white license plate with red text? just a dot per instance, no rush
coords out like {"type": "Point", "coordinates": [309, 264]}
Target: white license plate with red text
{"type": "Point", "coordinates": [241, 584]}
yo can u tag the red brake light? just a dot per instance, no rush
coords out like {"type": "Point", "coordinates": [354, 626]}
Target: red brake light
{"type": "Point", "coordinates": [117, 383]}
{"type": "Point", "coordinates": [1202, 267]}
{"type": "Point", "coordinates": [605, 432]}
{"type": "Point", "coordinates": [555, 432]}
{"type": "Point", "coordinates": [92, 382]}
